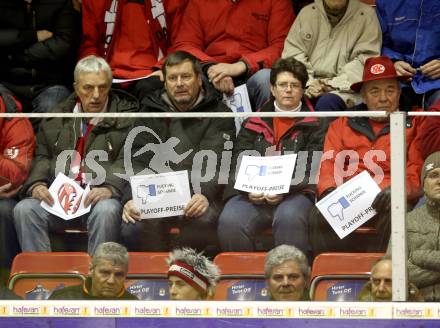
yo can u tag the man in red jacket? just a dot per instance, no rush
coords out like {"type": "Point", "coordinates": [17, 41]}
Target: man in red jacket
{"type": "Point", "coordinates": [17, 143]}
{"type": "Point", "coordinates": [360, 144]}
{"type": "Point", "coordinates": [132, 35]}
{"type": "Point", "coordinates": [235, 39]}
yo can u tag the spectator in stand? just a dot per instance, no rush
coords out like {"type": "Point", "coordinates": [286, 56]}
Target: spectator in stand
{"type": "Point", "coordinates": [184, 91]}
{"type": "Point", "coordinates": [287, 273]}
{"type": "Point", "coordinates": [132, 36]}
{"type": "Point", "coordinates": [191, 276]}
{"type": "Point", "coordinates": [38, 44]}
{"type": "Point", "coordinates": [423, 226]}
{"type": "Point", "coordinates": [245, 215]}
{"type": "Point", "coordinates": [17, 144]}
{"type": "Point", "coordinates": [333, 38]}
{"type": "Point", "coordinates": [78, 139]}
{"type": "Point", "coordinates": [236, 39]}
{"type": "Point", "coordinates": [411, 39]}
{"type": "Point", "coordinates": [380, 286]}
{"type": "Point", "coordinates": [108, 271]}
{"type": "Point", "coordinates": [369, 138]}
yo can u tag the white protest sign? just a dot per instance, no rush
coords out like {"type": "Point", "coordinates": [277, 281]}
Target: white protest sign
{"type": "Point", "coordinates": [349, 206]}
{"type": "Point", "coordinates": [68, 198]}
{"type": "Point", "coordinates": [161, 195]}
{"type": "Point", "coordinates": [269, 175]}
{"type": "Point", "coordinates": [239, 103]}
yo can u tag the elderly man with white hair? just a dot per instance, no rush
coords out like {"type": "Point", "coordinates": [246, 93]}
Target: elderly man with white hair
{"type": "Point", "coordinates": [191, 275]}
{"type": "Point", "coordinates": [93, 146]}
{"type": "Point", "coordinates": [287, 274]}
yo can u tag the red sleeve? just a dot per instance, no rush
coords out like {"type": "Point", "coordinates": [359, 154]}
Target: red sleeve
{"type": "Point", "coordinates": [18, 144]}
{"type": "Point", "coordinates": [333, 142]}
{"type": "Point", "coordinates": [190, 36]}
{"type": "Point", "coordinates": [90, 29]}
{"type": "Point", "coordinates": [174, 10]}
{"type": "Point", "coordinates": [430, 133]}
{"type": "Point", "coordinates": [282, 17]}
{"type": "Point", "coordinates": [414, 161]}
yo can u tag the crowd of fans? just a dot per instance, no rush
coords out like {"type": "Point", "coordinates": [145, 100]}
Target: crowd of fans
{"type": "Point", "coordinates": [177, 56]}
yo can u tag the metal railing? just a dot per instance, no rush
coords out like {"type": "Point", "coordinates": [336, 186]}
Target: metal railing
{"type": "Point", "coordinates": [398, 167]}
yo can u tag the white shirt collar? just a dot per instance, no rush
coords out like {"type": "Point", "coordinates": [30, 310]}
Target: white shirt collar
{"type": "Point", "coordinates": [296, 109]}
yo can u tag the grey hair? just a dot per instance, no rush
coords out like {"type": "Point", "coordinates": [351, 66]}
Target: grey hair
{"type": "Point", "coordinates": [92, 64]}
{"type": "Point", "coordinates": [386, 257]}
{"type": "Point", "coordinates": [283, 253]}
{"type": "Point", "coordinates": [111, 251]}
{"type": "Point", "coordinates": [199, 262]}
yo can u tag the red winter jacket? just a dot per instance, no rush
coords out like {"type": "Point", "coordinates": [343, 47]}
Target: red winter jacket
{"type": "Point", "coordinates": [355, 134]}
{"type": "Point", "coordinates": [133, 50]}
{"type": "Point", "coordinates": [226, 31]}
{"type": "Point", "coordinates": [430, 135]}
{"type": "Point", "coordinates": [17, 144]}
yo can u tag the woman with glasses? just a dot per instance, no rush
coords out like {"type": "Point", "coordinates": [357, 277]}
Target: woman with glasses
{"type": "Point", "coordinates": [245, 215]}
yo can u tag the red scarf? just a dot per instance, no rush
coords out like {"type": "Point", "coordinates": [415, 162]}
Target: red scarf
{"type": "Point", "coordinates": [156, 20]}
{"type": "Point", "coordinates": [77, 165]}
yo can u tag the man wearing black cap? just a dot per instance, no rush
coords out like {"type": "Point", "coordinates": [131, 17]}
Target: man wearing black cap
{"type": "Point", "coordinates": [363, 143]}
{"type": "Point", "coordinates": [423, 226]}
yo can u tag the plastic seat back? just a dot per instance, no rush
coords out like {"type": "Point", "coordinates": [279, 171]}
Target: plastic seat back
{"type": "Point", "coordinates": [147, 275]}
{"type": "Point", "coordinates": [242, 277]}
{"type": "Point", "coordinates": [340, 276]}
{"type": "Point", "coordinates": [35, 275]}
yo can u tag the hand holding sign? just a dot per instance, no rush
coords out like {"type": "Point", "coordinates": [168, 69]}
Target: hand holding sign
{"type": "Point", "coordinates": [160, 195]}
{"type": "Point", "coordinates": [130, 213]}
{"type": "Point", "coordinates": [197, 206]}
{"type": "Point", "coordinates": [67, 198]}
{"type": "Point", "coordinates": [349, 206]}
{"type": "Point", "coordinates": [41, 192]}
{"type": "Point", "coordinates": [269, 175]}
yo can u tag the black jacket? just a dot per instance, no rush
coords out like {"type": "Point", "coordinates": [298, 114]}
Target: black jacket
{"type": "Point", "coordinates": [57, 135]}
{"type": "Point", "coordinates": [304, 137]}
{"type": "Point", "coordinates": [197, 136]}
{"type": "Point", "coordinates": [27, 65]}
{"type": "Point", "coordinates": [82, 292]}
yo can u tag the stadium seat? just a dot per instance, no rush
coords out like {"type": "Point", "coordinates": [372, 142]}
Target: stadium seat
{"type": "Point", "coordinates": [340, 276]}
{"type": "Point", "coordinates": [147, 275]}
{"type": "Point", "coordinates": [36, 275]}
{"type": "Point", "coordinates": [241, 277]}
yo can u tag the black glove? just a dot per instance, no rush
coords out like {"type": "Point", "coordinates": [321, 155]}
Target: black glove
{"type": "Point", "coordinates": [326, 192]}
{"type": "Point", "coordinates": [382, 202]}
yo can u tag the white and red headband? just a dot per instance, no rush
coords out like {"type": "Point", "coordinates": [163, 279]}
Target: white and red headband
{"type": "Point", "coordinates": [189, 275]}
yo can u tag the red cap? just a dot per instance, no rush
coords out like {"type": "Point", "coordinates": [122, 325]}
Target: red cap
{"type": "Point", "coordinates": [377, 68]}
